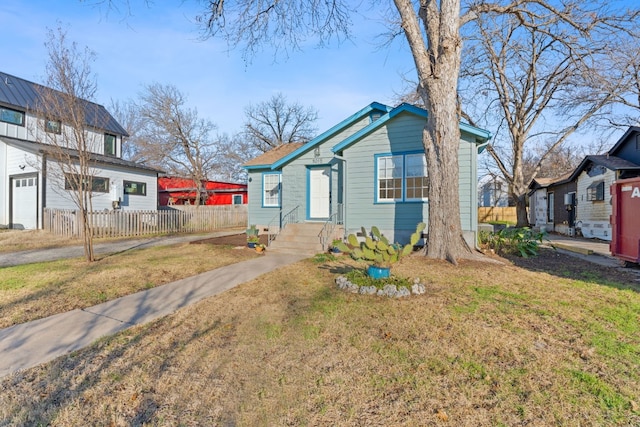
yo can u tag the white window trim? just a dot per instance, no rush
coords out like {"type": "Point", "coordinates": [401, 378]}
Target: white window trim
{"type": "Point", "coordinates": [264, 192]}
{"type": "Point", "coordinates": [404, 182]}
{"type": "Point", "coordinates": [404, 198]}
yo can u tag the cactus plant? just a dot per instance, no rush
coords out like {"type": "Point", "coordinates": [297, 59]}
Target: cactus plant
{"type": "Point", "coordinates": [377, 249]}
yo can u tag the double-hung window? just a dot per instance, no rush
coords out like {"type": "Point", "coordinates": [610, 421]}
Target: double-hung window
{"type": "Point", "coordinates": [271, 190]}
{"type": "Point", "coordinates": [401, 177]}
{"type": "Point", "coordinates": [416, 177]}
{"type": "Point", "coordinates": [390, 171]}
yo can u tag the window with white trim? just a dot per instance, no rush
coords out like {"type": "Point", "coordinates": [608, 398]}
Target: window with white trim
{"type": "Point", "coordinates": [271, 190]}
{"type": "Point", "coordinates": [416, 177]}
{"type": "Point", "coordinates": [402, 178]}
{"type": "Point", "coordinates": [237, 199]}
{"type": "Point", "coordinates": [390, 171]}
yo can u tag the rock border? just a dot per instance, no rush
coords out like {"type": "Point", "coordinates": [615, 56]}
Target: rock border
{"type": "Point", "coordinates": [391, 291]}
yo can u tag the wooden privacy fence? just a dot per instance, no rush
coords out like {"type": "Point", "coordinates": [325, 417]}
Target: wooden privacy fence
{"type": "Point", "coordinates": [139, 223]}
{"type": "Point", "coordinates": [493, 214]}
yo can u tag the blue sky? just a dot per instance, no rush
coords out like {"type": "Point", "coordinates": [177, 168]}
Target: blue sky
{"type": "Point", "coordinates": [159, 43]}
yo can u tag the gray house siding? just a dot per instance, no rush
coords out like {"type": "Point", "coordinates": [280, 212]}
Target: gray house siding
{"type": "Point", "coordinates": [257, 214]}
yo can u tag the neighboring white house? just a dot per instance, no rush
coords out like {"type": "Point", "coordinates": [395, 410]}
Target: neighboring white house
{"type": "Point", "coordinates": [30, 179]}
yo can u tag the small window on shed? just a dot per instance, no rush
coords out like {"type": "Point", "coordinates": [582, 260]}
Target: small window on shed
{"type": "Point", "coordinates": [595, 191]}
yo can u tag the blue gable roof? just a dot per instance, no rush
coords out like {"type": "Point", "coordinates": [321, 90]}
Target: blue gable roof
{"type": "Point", "coordinates": [481, 135]}
{"type": "Point", "coordinates": [374, 106]}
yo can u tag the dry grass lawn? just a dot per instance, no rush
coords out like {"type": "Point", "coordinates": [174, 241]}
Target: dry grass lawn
{"type": "Point", "coordinates": [34, 291]}
{"type": "Point", "coordinates": [24, 240]}
{"type": "Point", "coordinates": [488, 345]}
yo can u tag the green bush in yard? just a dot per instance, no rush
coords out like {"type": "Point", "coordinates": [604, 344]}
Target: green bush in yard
{"type": "Point", "coordinates": [518, 241]}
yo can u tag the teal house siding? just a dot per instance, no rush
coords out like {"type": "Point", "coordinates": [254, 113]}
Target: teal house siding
{"type": "Point", "coordinates": [347, 159]}
{"type": "Point", "coordinates": [258, 214]}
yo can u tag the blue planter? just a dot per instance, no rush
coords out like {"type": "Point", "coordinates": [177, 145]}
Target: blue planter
{"type": "Point", "coordinates": [251, 244]}
{"type": "Point", "coordinates": [378, 272]}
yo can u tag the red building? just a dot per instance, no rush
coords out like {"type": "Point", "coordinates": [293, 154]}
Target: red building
{"type": "Point", "coordinates": [173, 190]}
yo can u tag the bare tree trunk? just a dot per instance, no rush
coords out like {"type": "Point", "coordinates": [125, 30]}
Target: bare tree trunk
{"type": "Point", "coordinates": [441, 139]}
{"type": "Point", "coordinates": [437, 62]}
{"type": "Point", "coordinates": [521, 210]}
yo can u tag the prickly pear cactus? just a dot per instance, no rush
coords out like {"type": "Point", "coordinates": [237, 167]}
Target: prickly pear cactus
{"type": "Point", "coordinates": [376, 248]}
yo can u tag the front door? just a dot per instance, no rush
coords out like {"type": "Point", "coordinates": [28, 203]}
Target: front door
{"type": "Point", "coordinates": [319, 192]}
{"type": "Point", "coordinates": [24, 202]}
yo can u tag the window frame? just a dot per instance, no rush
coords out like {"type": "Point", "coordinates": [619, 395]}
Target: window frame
{"type": "Point", "coordinates": [138, 184]}
{"type": "Point", "coordinates": [95, 187]}
{"type": "Point", "coordinates": [403, 180]}
{"type": "Point", "coordinates": [595, 191]}
{"type": "Point", "coordinates": [378, 178]}
{"type": "Point", "coordinates": [21, 114]}
{"type": "Point", "coordinates": [55, 130]}
{"type": "Point", "coordinates": [278, 186]}
{"type": "Point", "coordinates": [425, 187]}
{"type": "Point", "coordinates": [115, 143]}
{"type": "Point", "coordinates": [234, 198]}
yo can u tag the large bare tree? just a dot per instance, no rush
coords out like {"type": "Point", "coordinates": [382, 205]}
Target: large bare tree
{"type": "Point", "coordinates": [173, 137]}
{"type": "Point", "coordinates": [276, 122]}
{"type": "Point", "coordinates": [534, 70]}
{"type": "Point", "coordinates": [68, 126]}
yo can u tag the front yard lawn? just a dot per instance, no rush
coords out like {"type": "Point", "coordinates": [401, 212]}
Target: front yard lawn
{"type": "Point", "coordinates": [487, 345]}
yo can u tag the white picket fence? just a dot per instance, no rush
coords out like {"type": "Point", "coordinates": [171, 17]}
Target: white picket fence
{"type": "Point", "coordinates": [181, 219]}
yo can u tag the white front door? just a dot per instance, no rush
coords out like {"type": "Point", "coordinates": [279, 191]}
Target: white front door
{"type": "Point", "coordinates": [319, 192]}
{"type": "Point", "coordinates": [24, 202]}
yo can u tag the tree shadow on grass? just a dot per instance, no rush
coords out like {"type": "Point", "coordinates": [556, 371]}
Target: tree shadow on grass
{"type": "Point", "coordinates": [571, 267]}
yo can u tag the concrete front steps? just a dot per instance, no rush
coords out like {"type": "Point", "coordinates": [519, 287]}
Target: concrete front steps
{"type": "Point", "coordinates": [302, 238]}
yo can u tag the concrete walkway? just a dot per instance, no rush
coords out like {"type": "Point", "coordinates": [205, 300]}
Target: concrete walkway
{"type": "Point", "coordinates": [29, 344]}
{"type": "Point", "coordinates": [592, 250]}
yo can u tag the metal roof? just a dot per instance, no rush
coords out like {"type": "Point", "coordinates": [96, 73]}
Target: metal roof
{"type": "Point", "coordinates": [25, 95]}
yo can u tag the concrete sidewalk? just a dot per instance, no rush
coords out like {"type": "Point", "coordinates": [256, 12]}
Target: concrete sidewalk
{"type": "Point", "coordinates": [30, 344]}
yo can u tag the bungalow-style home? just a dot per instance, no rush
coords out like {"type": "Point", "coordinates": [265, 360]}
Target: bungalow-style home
{"type": "Point", "coordinates": [594, 177]}
{"type": "Point", "coordinates": [370, 169]}
{"type": "Point", "coordinates": [30, 177]}
{"type": "Point", "coordinates": [174, 190]}
{"type": "Point", "coordinates": [552, 204]}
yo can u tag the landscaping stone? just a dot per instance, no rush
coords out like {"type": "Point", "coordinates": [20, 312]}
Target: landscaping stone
{"type": "Point", "coordinates": [391, 291]}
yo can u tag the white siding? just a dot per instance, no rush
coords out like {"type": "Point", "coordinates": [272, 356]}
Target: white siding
{"type": "Point", "coordinates": [4, 187]}
{"type": "Point", "coordinates": [592, 217]}
{"type": "Point", "coordinates": [539, 211]}
{"type": "Point", "coordinates": [59, 198]}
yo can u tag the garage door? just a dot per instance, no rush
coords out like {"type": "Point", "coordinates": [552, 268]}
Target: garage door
{"type": "Point", "coordinates": [24, 203]}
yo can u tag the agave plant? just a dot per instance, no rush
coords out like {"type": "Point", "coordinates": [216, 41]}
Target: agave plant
{"type": "Point", "coordinates": [377, 249]}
